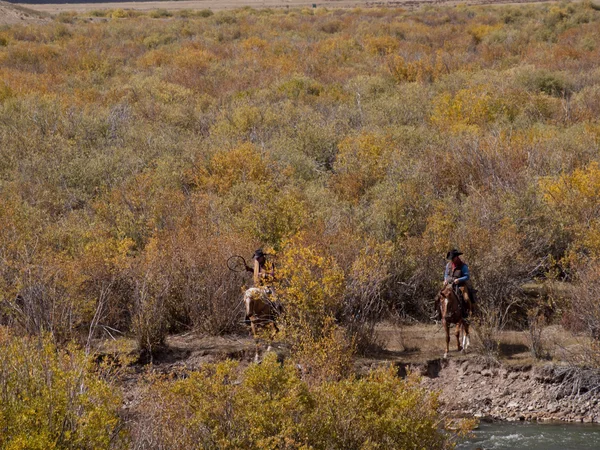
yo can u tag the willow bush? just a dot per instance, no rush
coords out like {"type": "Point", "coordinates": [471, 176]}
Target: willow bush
{"type": "Point", "coordinates": [53, 398]}
{"type": "Point", "coordinates": [269, 406]}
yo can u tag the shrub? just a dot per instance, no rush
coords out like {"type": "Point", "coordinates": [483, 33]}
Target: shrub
{"type": "Point", "coordinates": [160, 14]}
{"type": "Point", "coordinates": [52, 398]}
{"type": "Point", "coordinates": [332, 26]}
{"type": "Point", "coordinates": [269, 406]}
{"type": "Point", "coordinates": [119, 14]}
{"type": "Point", "coordinates": [550, 83]}
{"type": "Point", "coordinates": [310, 287]}
{"type": "Point", "coordinates": [205, 13]}
{"type": "Point", "coordinates": [99, 13]}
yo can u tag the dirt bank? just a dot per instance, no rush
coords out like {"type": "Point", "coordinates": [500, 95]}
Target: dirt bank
{"type": "Point", "coordinates": [542, 393]}
{"type": "Point", "coordinates": [516, 388]}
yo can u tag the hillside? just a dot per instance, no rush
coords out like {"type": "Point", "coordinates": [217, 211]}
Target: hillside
{"type": "Point", "coordinates": [14, 14]}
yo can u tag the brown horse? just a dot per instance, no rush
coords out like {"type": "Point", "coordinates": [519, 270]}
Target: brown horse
{"type": "Point", "coordinates": [262, 312]}
{"type": "Point", "coordinates": [448, 303]}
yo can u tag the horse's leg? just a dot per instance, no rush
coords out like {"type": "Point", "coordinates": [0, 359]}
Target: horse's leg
{"type": "Point", "coordinates": [466, 339]}
{"type": "Point", "coordinates": [272, 335]}
{"type": "Point", "coordinates": [447, 328]}
{"type": "Point", "coordinates": [256, 343]}
{"type": "Point", "coordinates": [457, 333]}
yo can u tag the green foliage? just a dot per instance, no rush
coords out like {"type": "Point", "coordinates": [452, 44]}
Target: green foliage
{"type": "Point", "coordinates": [205, 13]}
{"type": "Point", "coordinates": [52, 398]}
{"type": "Point", "coordinates": [160, 13]}
{"type": "Point", "coordinates": [268, 406]}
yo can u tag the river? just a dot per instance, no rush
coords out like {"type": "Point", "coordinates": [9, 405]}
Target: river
{"type": "Point", "coordinates": [533, 436]}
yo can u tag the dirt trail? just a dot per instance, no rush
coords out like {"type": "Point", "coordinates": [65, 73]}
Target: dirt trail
{"type": "Point", "coordinates": [231, 4]}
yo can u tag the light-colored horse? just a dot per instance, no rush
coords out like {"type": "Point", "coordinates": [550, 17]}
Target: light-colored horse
{"type": "Point", "coordinates": [262, 312]}
{"type": "Point", "coordinates": [449, 305]}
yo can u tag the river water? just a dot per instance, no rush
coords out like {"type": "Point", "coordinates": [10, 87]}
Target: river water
{"type": "Point", "coordinates": [534, 436]}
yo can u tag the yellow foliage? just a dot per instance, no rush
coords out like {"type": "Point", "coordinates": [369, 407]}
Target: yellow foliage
{"type": "Point", "coordinates": [196, 59]}
{"type": "Point", "coordinates": [311, 284]}
{"type": "Point", "coordinates": [119, 14]}
{"type": "Point", "coordinates": [370, 268]}
{"type": "Point", "coordinates": [52, 398]}
{"type": "Point", "coordinates": [361, 162]}
{"type": "Point", "coordinates": [269, 406]}
{"type": "Point", "coordinates": [255, 44]}
{"type": "Point", "coordinates": [441, 227]}
{"type": "Point", "coordinates": [575, 198]}
{"type": "Point", "coordinates": [228, 168]}
{"type": "Point", "coordinates": [381, 45]}
{"type": "Point", "coordinates": [422, 70]}
{"type": "Point", "coordinates": [470, 108]}
{"type": "Point", "coordinates": [480, 31]}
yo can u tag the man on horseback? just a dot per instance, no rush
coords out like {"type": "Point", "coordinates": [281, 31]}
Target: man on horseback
{"type": "Point", "coordinates": [262, 276]}
{"type": "Point", "coordinates": [457, 275]}
{"type": "Point", "coordinates": [260, 302]}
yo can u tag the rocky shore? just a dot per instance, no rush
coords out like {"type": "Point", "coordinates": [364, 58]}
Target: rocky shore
{"type": "Point", "coordinates": [524, 393]}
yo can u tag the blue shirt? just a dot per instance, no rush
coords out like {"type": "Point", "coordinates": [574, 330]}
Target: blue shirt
{"type": "Point", "coordinates": [464, 270]}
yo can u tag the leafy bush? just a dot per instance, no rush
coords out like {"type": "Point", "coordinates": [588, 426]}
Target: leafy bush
{"type": "Point", "coordinates": [52, 398]}
{"type": "Point", "coordinates": [269, 406]}
{"type": "Point", "coordinates": [205, 13]}
{"type": "Point", "coordinates": [160, 13]}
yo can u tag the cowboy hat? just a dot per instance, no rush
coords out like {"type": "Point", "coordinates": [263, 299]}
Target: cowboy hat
{"type": "Point", "coordinates": [452, 253]}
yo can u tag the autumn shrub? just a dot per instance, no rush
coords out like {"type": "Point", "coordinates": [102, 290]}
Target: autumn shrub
{"type": "Point", "coordinates": [536, 322]}
{"type": "Point", "coordinates": [98, 13]}
{"type": "Point", "coordinates": [119, 14]}
{"type": "Point", "coordinates": [53, 398]}
{"type": "Point", "coordinates": [269, 406]}
{"type": "Point", "coordinates": [366, 290]}
{"type": "Point", "coordinates": [310, 288]}
{"type": "Point", "coordinates": [160, 13]}
{"type": "Point", "coordinates": [386, 136]}
{"type": "Point", "coordinates": [553, 84]}
{"type": "Point", "coordinates": [573, 197]}
{"type": "Point", "coordinates": [584, 307]}
{"type": "Point", "coordinates": [311, 285]}
{"type": "Point", "coordinates": [205, 13]}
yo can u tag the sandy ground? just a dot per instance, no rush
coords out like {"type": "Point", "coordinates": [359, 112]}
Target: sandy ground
{"type": "Point", "coordinates": [230, 4]}
{"type": "Point", "coordinates": [406, 344]}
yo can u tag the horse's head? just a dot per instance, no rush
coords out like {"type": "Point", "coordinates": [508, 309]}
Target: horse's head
{"type": "Point", "coordinates": [449, 303]}
{"type": "Point", "coordinates": [447, 291]}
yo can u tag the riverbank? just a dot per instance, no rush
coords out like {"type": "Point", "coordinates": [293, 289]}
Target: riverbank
{"type": "Point", "coordinates": [515, 388]}
{"type": "Point", "coordinates": [550, 392]}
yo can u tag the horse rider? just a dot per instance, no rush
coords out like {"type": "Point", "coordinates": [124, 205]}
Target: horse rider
{"type": "Point", "coordinates": [457, 274]}
{"type": "Point", "coordinates": [262, 276]}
